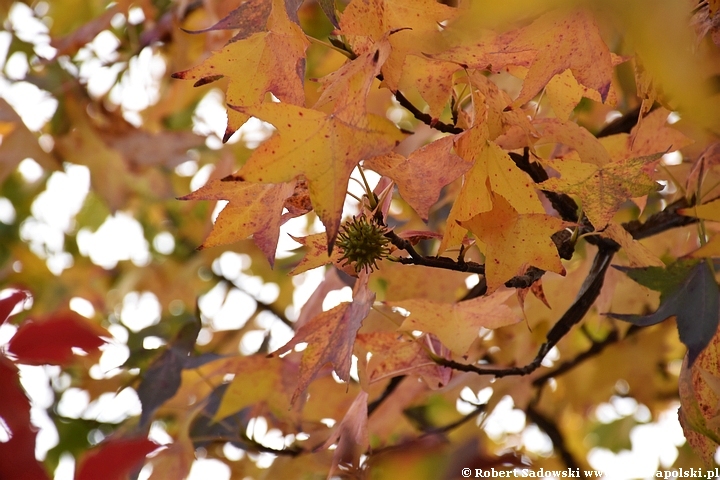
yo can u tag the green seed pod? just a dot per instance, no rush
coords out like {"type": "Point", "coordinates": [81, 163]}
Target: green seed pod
{"type": "Point", "coordinates": [362, 243]}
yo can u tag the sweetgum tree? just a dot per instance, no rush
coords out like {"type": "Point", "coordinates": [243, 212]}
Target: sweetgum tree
{"type": "Point", "coordinates": [522, 197]}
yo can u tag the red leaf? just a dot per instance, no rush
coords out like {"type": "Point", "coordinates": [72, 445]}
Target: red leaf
{"type": "Point", "coordinates": [8, 304]}
{"type": "Point", "coordinates": [51, 341]}
{"type": "Point", "coordinates": [114, 459]}
{"type": "Point", "coordinates": [17, 455]}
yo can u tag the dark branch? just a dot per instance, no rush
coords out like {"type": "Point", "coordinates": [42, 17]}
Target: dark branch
{"type": "Point", "coordinates": [391, 386]}
{"type": "Point", "coordinates": [424, 117]}
{"type": "Point", "coordinates": [552, 431]}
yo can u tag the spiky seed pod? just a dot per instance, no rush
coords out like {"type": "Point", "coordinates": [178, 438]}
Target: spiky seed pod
{"type": "Point", "coordinates": [362, 243]}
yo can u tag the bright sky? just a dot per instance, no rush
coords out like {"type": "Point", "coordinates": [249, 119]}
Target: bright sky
{"type": "Point", "coordinates": [121, 238]}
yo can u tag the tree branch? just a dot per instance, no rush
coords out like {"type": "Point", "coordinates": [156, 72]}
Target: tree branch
{"type": "Point", "coordinates": [587, 295]}
{"type": "Point", "coordinates": [556, 436]}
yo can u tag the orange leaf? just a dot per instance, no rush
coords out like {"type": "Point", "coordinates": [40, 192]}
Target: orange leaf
{"type": "Point", "coordinates": [316, 254]}
{"type": "Point", "coordinates": [395, 354]}
{"type": "Point", "coordinates": [571, 41]}
{"type": "Point", "coordinates": [414, 24]}
{"type": "Point", "coordinates": [265, 376]}
{"type": "Point", "coordinates": [457, 324]}
{"type": "Point", "coordinates": [254, 209]}
{"type": "Point", "coordinates": [515, 241]}
{"type": "Point", "coordinates": [422, 175]}
{"type": "Point", "coordinates": [330, 337]}
{"type": "Point", "coordinates": [637, 253]}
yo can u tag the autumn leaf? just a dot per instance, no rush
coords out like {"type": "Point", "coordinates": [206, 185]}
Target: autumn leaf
{"type": "Point", "coordinates": [602, 190]}
{"type": "Point", "coordinates": [588, 148]}
{"type": "Point", "coordinates": [316, 254]}
{"type": "Point", "coordinates": [350, 436]}
{"type": "Point", "coordinates": [254, 209]}
{"type": "Point", "coordinates": [637, 253]}
{"type": "Point", "coordinates": [60, 334]}
{"type": "Point", "coordinates": [114, 458]}
{"type": "Point", "coordinates": [323, 148]}
{"type": "Point", "coordinates": [493, 171]}
{"type": "Point", "coordinates": [250, 17]}
{"type": "Point", "coordinates": [414, 21]}
{"type": "Point", "coordinates": [457, 325]}
{"type": "Point", "coordinates": [699, 413]}
{"type": "Point", "coordinates": [330, 337]}
{"type": "Point", "coordinates": [422, 175]}
{"type": "Point", "coordinates": [17, 453]}
{"type": "Point", "coordinates": [707, 211]}
{"type": "Point", "coordinates": [264, 62]}
{"type": "Point", "coordinates": [689, 292]}
{"type": "Point", "coordinates": [345, 90]}
{"type": "Point", "coordinates": [395, 354]}
{"type": "Point", "coordinates": [515, 241]}
{"type": "Point", "coordinates": [265, 375]}
{"type": "Point", "coordinates": [555, 42]}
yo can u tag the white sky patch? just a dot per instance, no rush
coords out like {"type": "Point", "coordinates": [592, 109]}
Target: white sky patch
{"type": "Point", "coordinates": [119, 238]}
{"type": "Point", "coordinates": [654, 445]}
{"type": "Point", "coordinates": [140, 310]}
{"type": "Point", "coordinates": [139, 86]}
{"type": "Point", "coordinates": [7, 211]}
{"type": "Point", "coordinates": [336, 297]}
{"type": "Point", "coordinates": [114, 408]}
{"type": "Point", "coordinates": [504, 419]}
{"type": "Point", "coordinates": [82, 307]}
{"type": "Point", "coordinates": [205, 468]}
{"type": "Point", "coordinates": [36, 107]}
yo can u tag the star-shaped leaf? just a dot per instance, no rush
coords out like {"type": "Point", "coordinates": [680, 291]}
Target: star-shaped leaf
{"type": "Point", "coordinates": [322, 147]}
{"type": "Point", "coordinates": [254, 209]}
{"type": "Point", "coordinates": [270, 61]}
{"type": "Point", "coordinates": [515, 241]}
{"type": "Point", "coordinates": [330, 337]}
{"type": "Point", "coordinates": [422, 175]}
{"type": "Point", "coordinates": [457, 324]}
{"type": "Point", "coordinates": [492, 171]}
{"type": "Point", "coordinates": [415, 23]}
{"type": "Point", "coordinates": [603, 190]}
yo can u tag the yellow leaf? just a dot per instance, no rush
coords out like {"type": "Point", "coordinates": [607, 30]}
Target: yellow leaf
{"type": "Point", "coordinates": [322, 147]}
{"type": "Point", "coordinates": [707, 211]}
{"type": "Point", "coordinates": [602, 190]}
{"type": "Point", "coordinates": [515, 241]}
{"type": "Point", "coordinates": [637, 253]}
{"type": "Point", "coordinates": [493, 171]}
{"type": "Point", "coordinates": [264, 375]}
{"type": "Point", "coordinates": [457, 324]}
{"type": "Point", "coordinates": [253, 209]}
{"type": "Point", "coordinates": [263, 62]}
{"type": "Point", "coordinates": [414, 23]}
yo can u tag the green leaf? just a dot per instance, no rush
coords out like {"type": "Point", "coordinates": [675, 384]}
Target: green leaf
{"type": "Point", "coordinates": [691, 294]}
